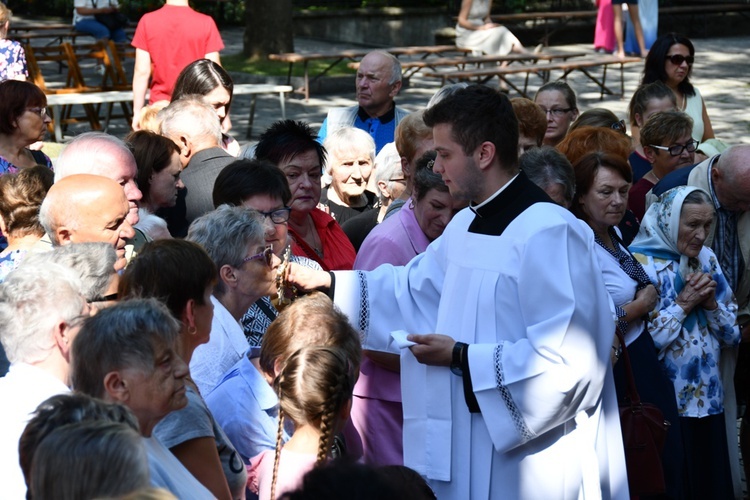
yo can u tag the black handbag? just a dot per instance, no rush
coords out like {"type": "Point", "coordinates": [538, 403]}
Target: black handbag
{"type": "Point", "coordinates": [112, 21]}
{"type": "Point", "coordinates": [644, 432]}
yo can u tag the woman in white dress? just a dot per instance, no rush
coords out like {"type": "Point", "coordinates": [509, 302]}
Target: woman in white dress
{"type": "Point", "coordinates": [476, 31]}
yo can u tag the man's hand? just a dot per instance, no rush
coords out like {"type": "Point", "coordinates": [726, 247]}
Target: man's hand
{"type": "Point", "coordinates": [432, 349]}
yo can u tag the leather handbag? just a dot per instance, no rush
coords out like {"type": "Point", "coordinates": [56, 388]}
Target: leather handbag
{"type": "Point", "coordinates": [644, 432]}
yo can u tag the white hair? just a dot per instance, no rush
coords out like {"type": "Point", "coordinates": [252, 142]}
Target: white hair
{"type": "Point", "coordinates": [347, 140]}
{"type": "Point", "coordinates": [92, 153]}
{"type": "Point", "coordinates": [190, 116]}
{"type": "Point", "coordinates": [33, 300]}
{"type": "Point", "coordinates": [387, 166]}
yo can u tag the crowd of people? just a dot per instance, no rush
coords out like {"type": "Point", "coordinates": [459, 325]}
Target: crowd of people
{"type": "Point", "coordinates": [431, 304]}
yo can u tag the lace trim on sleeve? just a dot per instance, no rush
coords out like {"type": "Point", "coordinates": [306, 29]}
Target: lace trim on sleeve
{"type": "Point", "coordinates": [364, 308]}
{"type": "Point", "coordinates": [515, 413]}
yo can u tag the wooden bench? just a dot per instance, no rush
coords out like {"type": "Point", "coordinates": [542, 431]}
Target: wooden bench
{"type": "Point", "coordinates": [342, 55]}
{"type": "Point", "coordinates": [409, 68]}
{"type": "Point", "coordinates": [551, 21]}
{"type": "Point", "coordinates": [58, 101]}
{"type": "Point", "coordinates": [544, 70]}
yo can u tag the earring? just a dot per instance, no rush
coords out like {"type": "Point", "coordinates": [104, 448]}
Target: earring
{"type": "Point", "coordinates": [192, 330]}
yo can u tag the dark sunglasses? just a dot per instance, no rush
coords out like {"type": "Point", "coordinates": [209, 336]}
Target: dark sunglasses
{"type": "Point", "coordinates": [678, 59]}
{"type": "Point", "coordinates": [619, 127]}
{"type": "Point", "coordinates": [266, 255]}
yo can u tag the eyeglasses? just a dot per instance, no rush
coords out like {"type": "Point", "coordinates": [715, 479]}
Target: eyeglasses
{"type": "Point", "coordinates": [266, 254]}
{"type": "Point", "coordinates": [678, 59]}
{"type": "Point", "coordinates": [38, 111]}
{"type": "Point", "coordinates": [677, 149]}
{"type": "Point", "coordinates": [397, 179]}
{"type": "Point", "coordinates": [556, 112]}
{"type": "Point", "coordinates": [619, 127]}
{"type": "Point", "coordinates": [278, 216]}
{"type": "Point", "coordinates": [104, 298]}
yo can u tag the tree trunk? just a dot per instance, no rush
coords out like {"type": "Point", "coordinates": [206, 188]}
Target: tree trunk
{"type": "Point", "coordinates": [268, 28]}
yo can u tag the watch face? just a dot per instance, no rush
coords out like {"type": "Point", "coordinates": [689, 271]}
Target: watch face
{"type": "Point", "coordinates": [456, 370]}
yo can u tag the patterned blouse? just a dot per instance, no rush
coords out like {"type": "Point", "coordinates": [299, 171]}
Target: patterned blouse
{"type": "Point", "coordinates": [12, 60]}
{"type": "Point", "coordinates": [7, 167]}
{"type": "Point", "coordinates": [690, 345]}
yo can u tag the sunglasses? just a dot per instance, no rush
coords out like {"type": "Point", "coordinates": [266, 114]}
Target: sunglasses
{"type": "Point", "coordinates": [619, 127]}
{"type": "Point", "coordinates": [266, 254]}
{"type": "Point", "coordinates": [678, 59]}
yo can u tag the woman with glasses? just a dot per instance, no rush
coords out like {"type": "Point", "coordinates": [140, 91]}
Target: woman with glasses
{"type": "Point", "coordinates": [667, 144]}
{"type": "Point", "coordinates": [23, 121]}
{"type": "Point", "coordinates": [235, 239]}
{"type": "Point", "coordinates": [599, 117]}
{"type": "Point", "coordinates": [670, 61]}
{"type": "Point", "coordinates": [261, 186]}
{"type": "Point", "coordinates": [648, 99]}
{"type": "Point", "coordinates": [558, 102]}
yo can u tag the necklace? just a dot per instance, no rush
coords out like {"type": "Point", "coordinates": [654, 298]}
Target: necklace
{"type": "Point", "coordinates": [312, 238]}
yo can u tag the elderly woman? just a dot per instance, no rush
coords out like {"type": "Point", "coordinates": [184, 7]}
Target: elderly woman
{"type": "Point", "coordinates": [128, 354]}
{"type": "Point", "coordinates": [390, 183]}
{"type": "Point", "coordinates": [647, 100]}
{"type": "Point", "coordinates": [558, 103]}
{"type": "Point", "coordinates": [261, 186]}
{"type": "Point", "coordinates": [292, 147]}
{"type": "Point", "coordinates": [602, 186]}
{"type": "Point", "coordinates": [695, 317]}
{"type": "Point", "coordinates": [351, 154]}
{"type": "Point", "coordinates": [550, 170]}
{"type": "Point", "coordinates": [190, 433]}
{"type": "Point", "coordinates": [670, 61]}
{"type": "Point", "coordinates": [235, 239]}
{"type": "Point", "coordinates": [158, 177]}
{"type": "Point", "coordinates": [23, 121]}
{"type": "Point", "coordinates": [12, 55]}
{"type": "Point", "coordinates": [21, 196]}
{"type": "Point", "coordinates": [205, 77]}
{"type": "Point", "coordinates": [376, 407]}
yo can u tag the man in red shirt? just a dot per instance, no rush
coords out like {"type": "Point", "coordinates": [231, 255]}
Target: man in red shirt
{"type": "Point", "coordinates": [169, 39]}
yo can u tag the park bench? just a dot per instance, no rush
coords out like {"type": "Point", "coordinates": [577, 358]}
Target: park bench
{"type": "Point", "coordinates": [409, 68]}
{"type": "Point", "coordinates": [339, 56]}
{"type": "Point", "coordinates": [583, 65]}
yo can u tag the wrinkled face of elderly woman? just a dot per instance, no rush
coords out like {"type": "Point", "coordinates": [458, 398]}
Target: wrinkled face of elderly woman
{"type": "Point", "coordinates": [695, 224]}
{"type": "Point", "coordinates": [350, 171]}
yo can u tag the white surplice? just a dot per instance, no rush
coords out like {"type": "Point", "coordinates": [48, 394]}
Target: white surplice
{"type": "Point", "coordinates": [532, 305]}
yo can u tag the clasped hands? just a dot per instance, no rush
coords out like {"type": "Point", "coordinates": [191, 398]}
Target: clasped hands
{"type": "Point", "coordinates": [699, 290]}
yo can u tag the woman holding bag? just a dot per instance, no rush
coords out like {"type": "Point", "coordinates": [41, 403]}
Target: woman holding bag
{"type": "Point", "coordinates": [85, 21]}
{"type": "Point", "coordinates": [602, 185]}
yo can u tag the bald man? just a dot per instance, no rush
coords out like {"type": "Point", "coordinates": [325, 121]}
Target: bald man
{"type": "Point", "coordinates": [377, 83]}
{"type": "Point", "coordinates": [87, 208]}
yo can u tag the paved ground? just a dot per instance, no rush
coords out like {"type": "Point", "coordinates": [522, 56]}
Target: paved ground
{"type": "Point", "coordinates": [720, 71]}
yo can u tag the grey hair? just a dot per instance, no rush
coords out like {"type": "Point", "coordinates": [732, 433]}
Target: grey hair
{"type": "Point", "coordinates": [698, 197]}
{"type": "Point", "coordinates": [91, 153]}
{"type": "Point", "coordinates": [191, 116]}
{"type": "Point", "coordinates": [445, 91]}
{"type": "Point", "coordinates": [94, 263]}
{"type": "Point", "coordinates": [87, 460]}
{"type": "Point", "coordinates": [387, 164]}
{"type": "Point", "coordinates": [33, 300]}
{"type": "Point", "coordinates": [122, 336]}
{"type": "Point", "coordinates": [396, 75]}
{"type": "Point", "coordinates": [225, 234]}
{"type": "Point", "coordinates": [546, 166]}
{"type": "Point", "coordinates": [347, 140]}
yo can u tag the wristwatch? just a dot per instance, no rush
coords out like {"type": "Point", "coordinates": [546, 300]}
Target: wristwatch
{"type": "Point", "coordinates": [459, 350]}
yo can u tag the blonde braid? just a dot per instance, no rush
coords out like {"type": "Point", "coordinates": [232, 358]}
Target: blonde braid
{"type": "Point", "coordinates": [337, 396]}
{"type": "Point", "coordinates": [277, 456]}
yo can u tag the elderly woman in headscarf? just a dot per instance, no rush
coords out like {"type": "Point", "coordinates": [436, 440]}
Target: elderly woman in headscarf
{"type": "Point", "coordinates": [695, 317]}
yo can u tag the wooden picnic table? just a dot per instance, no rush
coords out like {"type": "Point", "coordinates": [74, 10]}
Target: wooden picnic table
{"type": "Point", "coordinates": [583, 65]}
{"type": "Point", "coordinates": [409, 68]}
{"type": "Point", "coordinates": [352, 54]}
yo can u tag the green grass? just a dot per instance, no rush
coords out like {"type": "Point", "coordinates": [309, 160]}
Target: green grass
{"type": "Point", "coordinates": [238, 62]}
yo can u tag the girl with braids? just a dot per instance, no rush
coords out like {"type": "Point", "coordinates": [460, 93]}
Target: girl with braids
{"type": "Point", "coordinates": [315, 394]}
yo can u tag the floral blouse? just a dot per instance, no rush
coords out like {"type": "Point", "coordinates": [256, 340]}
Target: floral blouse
{"type": "Point", "coordinates": [12, 60]}
{"type": "Point", "coordinates": [690, 345]}
{"type": "Point", "coordinates": [7, 167]}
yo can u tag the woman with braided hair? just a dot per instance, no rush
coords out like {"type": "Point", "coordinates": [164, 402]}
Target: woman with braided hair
{"type": "Point", "coordinates": [315, 395]}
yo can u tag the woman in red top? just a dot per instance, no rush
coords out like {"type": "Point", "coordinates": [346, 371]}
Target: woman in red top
{"type": "Point", "coordinates": [291, 145]}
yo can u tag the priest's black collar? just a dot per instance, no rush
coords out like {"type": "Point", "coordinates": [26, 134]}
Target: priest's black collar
{"type": "Point", "coordinates": [498, 211]}
{"type": "Point", "coordinates": [388, 117]}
